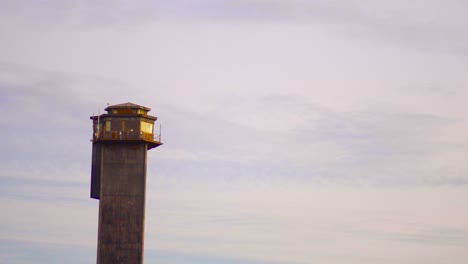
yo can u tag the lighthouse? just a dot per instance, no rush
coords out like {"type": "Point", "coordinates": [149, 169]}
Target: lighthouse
{"type": "Point", "coordinates": [121, 139]}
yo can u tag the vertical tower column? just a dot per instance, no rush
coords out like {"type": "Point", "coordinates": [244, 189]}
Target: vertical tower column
{"type": "Point", "coordinates": [122, 204]}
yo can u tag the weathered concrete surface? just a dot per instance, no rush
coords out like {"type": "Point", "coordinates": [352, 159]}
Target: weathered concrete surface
{"type": "Point", "coordinates": [122, 203]}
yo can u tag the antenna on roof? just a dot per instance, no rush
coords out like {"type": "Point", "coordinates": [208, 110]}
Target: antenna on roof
{"type": "Point", "coordinates": [98, 123]}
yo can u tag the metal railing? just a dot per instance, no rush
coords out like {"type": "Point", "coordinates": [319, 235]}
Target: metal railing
{"type": "Point", "coordinates": [126, 135]}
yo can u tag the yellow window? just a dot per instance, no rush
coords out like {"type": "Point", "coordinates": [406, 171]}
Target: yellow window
{"type": "Point", "coordinates": [146, 127]}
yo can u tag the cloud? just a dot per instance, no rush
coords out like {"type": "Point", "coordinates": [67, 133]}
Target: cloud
{"type": "Point", "coordinates": [438, 25]}
{"type": "Point", "coordinates": [299, 222]}
{"type": "Point", "coordinates": [268, 137]}
{"type": "Point", "coordinates": [79, 14]}
{"type": "Point", "coordinates": [14, 251]}
{"type": "Point", "coordinates": [277, 136]}
{"type": "Point", "coordinates": [48, 126]}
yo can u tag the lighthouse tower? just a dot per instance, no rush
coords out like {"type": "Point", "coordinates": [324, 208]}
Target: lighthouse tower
{"type": "Point", "coordinates": [121, 139]}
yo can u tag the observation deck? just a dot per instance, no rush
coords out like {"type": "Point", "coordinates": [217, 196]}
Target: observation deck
{"type": "Point", "coordinates": [125, 122]}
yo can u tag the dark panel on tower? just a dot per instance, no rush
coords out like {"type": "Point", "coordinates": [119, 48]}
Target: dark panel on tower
{"type": "Point", "coordinates": [96, 171]}
{"type": "Point", "coordinates": [118, 179]}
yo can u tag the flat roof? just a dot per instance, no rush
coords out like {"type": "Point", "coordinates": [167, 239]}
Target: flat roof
{"type": "Point", "coordinates": [127, 105]}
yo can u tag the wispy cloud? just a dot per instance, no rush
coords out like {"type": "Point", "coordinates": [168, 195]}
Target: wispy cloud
{"type": "Point", "coordinates": [274, 135]}
{"type": "Point", "coordinates": [290, 137]}
{"type": "Point", "coordinates": [42, 104]}
{"type": "Point", "coordinates": [439, 25]}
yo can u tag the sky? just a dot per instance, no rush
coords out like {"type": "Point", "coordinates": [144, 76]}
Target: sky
{"type": "Point", "coordinates": [294, 132]}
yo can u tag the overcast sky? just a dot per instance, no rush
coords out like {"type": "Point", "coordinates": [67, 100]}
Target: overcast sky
{"type": "Point", "coordinates": [299, 132]}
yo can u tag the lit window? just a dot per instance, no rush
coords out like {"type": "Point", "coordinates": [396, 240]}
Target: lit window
{"type": "Point", "coordinates": [108, 125]}
{"type": "Point", "coordinates": [146, 127]}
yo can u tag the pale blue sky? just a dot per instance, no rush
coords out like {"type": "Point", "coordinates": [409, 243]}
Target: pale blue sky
{"type": "Point", "coordinates": [294, 131]}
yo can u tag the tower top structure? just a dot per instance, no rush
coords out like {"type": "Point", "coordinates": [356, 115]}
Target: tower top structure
{"type": "Point", "coordinates": [126, 122]}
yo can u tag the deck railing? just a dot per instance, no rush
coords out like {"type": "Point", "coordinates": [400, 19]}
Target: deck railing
{"type": "Point", "coordinates": [126, 135]}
